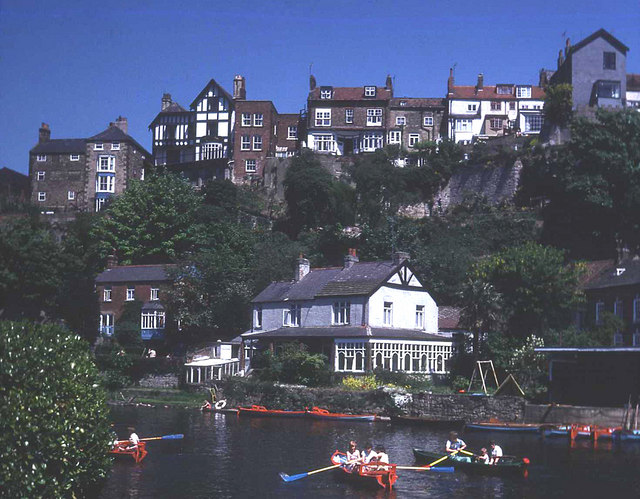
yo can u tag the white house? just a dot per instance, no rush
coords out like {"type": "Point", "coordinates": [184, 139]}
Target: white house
{"type": "Point", "coordinates": [363, 316]}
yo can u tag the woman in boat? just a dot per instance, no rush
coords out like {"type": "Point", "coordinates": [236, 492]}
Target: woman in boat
{"type": "Point", "coordinates": [353, 455]}
{"type": "Point", "coordinates": [381, 457]}
{"type": "Point", "coordinates": [496, 453]}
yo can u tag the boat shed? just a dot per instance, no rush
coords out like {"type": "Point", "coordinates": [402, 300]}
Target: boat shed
{"type": "Point", "coordinates": [601, 376]}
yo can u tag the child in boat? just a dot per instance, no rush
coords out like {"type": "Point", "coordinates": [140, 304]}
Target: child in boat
{"type": "Point", "coordinates": [368, 454]}
{"type": "Point", "coordinates": [134, 440]}
{"type": "Point", "coordinates": [496, 453]}
{"type": "Point", "coordinates": [483, 457]}
{"type": "Point", "coordinates": [382, 458]}
{"type": "Point", "coordinates": [353, 454]}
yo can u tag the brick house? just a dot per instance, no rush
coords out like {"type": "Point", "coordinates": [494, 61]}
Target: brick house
{"type": "Point", "coordinates": [290, 129]}
{"type": "Point", "coordinates": [121, 284]}
{"type": "Point", "coordinates": [483, 111]}
{"type": "Point", "coordinates": [596, 69]}
{"type": "Point", "coordinates": [70, 175]}
{"type": "Point", "coordinates": [363, 316]}
{"type": "Point", "coordinates": [413, 120]}
{"type": "Point", "coordinates": [347, 120]}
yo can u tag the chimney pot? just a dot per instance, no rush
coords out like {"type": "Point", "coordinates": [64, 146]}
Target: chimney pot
{"type": "Point", "coordinates": [312, 82]}
{"type": "Point", "coordinates": [480, 84]}
{"type": "Point", "coordinates": [350, 258]}
{"type": "Point", "coordinates": [399, 256]}
{"type": "Point", "coordinates": [112, 261]}
{"type": "Point", "coordinates": [450, 82]}
{"type": "Point", "coordinates": [122, 124]}
{"type": "Point", "coordinates": [389, 83]}
{"type": "Point", "coordinates": [239, 88]}
{"type": "Point", "coordinates": [166, 101]}
{"type": "Point", "coordinates": [44, 133]}
{"type": "Point", "coordinates": [302, 269]}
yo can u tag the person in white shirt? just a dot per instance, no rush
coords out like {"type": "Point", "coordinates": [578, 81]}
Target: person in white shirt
{"type": "Point", "coordinates": [382, 457]}
{"type": "Point", "coordinates": [368, 454]}
{"type": "Point", "coordinates": [483, 457]}
{"type": "Point", "coordinates": [353, 455]}
{"type": "Point", "coordinates": [496, 453]}
{"type": "Point", "coordinates": [134, 440]}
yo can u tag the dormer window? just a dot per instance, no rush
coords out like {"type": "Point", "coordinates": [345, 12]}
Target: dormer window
{"type": "Point", "coordinates": [325, 93]}
{"type": "Point", "coordinates": [504, 89]}
{"type": "Point", "coordinates": [403, 102]}
{"type": "Point", "coordinates": [370, 91]}
{"type": "Point", "coordinates": [523, 92]}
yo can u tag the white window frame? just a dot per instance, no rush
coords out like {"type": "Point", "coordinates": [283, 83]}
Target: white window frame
{"type": "Point", "coordinates": [41, 175]}
{"type": "Point", "coordinates": [115, 146]}
{"type": "Point", "coordinates": [523, 92]}
{"type": "Point", "coordinates": [250, 166]}
{"type": "Point", "coordinates": [464, 125]}
{"type": "Point", "coordinates": [154, 319]}
{"type": "Point", "coordinates": [395, 136]}
{"type": "Point", "coordinates": [258, 119]}
{"type": "Point", "coordinates": [106, 321]}
{"type": "Point", "coordinates": [496, 123]}
{"type": "Point", "coordinates": [323, 117]}
{"type": "Point", "coordinates": [414, 138]}
{"type": "Point", "coordinates": [401, 120]}
{"type": "Point", "coordinates": [374, 116]}
{"type": "Point", "coordinates": [106, 183]}
{"type": "Point", "coordinates": [427, 121]}
{"type": "Point", "coordinates": [154, 294]}
{"type": "Point", "coordinates": [100, 203]}
{"type": "Point", "coordinates": [533, 122]}
{"type": "Point", "coordinates": [420, 315]}
{"type": "Point", "coordinates": [599, 311]}
{"type": "Point", "coordinates": [245, 143]}
{"type": "Point", "coordinates": [341, 313]}
{"type": "Point", "coordinates": [211, 150]}
{"type": "Point", "coordinates": [371, 141]}
{"type": "Point", "coordinates": [325, 93]}
{"type": "Point", "coordinates": [370, 91]}
{"type": "Point", "coordinates": [257, 142]}
{"type": "Point", "coordinates": [292, 132]}
{"type": "Point", "coordinates": [98, 146]}
{"type": "Point", "coordinates": [246, 119]}
{"type": "Point", "coordinates": [106, 164]}
{"type": "Point", "coordinates": [348, 354]}
{"type": "Point", "coordinates": [131, 293]}
{"type": "Point", "coordinates": [107, 294]}
{"type": "Point", "coordinates": [257, 317]}
{"type": "Point", "coordinates": [495, 106]}
{"type": "Point", "coordinates": [387, 313]}
{"type": "Point", "coordinates": [41, 157]}
{"type": "Point", "coordinates": [348, 115]}
{"type": "Point", "coordinates": [42, 196]}
{"type": "Point", "coordinates": [472, 107]}
{"type": "Point", "coordinates": [74, 157]}
{"type": "Point", "coordinates": [324, 142]}
{"type": "Point", "coordinates": [71, 195]}
{"type": "Point", "coordinates": [291, 317]}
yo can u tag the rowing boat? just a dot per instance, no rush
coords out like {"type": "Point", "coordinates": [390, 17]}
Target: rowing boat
{"type": "Point", "coordinates": [366, 475]}
{"type": "Point", "coordinates": [510, 427]}
{"type": "Point", "coordinates": [627, 435]}
{"type": "Point", "coordinates": [121, 448]}
{"type": "Point", "coordinates": [506, 464]}
{"type": "Point", "coordinates": [318, 413]}
{"type": "Point", "coordinates": [262, 411]}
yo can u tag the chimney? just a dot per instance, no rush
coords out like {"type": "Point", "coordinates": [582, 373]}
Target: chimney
{"type": "Point", "coordinates": [239, 88]}
{"type": "Point", "coordinates": [450, 82]}
{"type": "Point", "coordinates": [302, 269]}
{"type": "Point", "coordinates": [122, 124]}
{"type": "Point", "coordinates": [312, 82]}
{"type": "Point", "coordinates": [166, 101]}
{"type": "Point", "coordinates": [543, 79]}
{"type": "Point", "coordinates": [567, 48]}
{"type": "Point", "coordinates": [350, 259]}
{"type": "Point", "coordinates": [44, 133]}
{"type": "Point", "coordinates": [480, 84]}
{"type": "Point", "coordinates": [399, 256]}
{"type": "Point", "coordinates": [560, 58]}
{"type": "Point", "coordinates": [112, 261]}
{"type": "Point", "coordinates": [389, 83]}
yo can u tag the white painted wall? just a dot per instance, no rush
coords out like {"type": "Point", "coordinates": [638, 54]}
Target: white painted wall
{"type": "Point", "coordinates": [404, 308]}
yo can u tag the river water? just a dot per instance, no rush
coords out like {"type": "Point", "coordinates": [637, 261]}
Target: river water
{"type": "Point", "coordinates": [223, 456]}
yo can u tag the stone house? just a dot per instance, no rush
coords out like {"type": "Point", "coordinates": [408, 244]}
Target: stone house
{"type": "Point", "coordinates": [362, 316]}
{"type": "Point", "coordinates": [483, 111]}
{"type": "Point", "coordinates": [118, 285]}
{"type": "Point", "coordinates": [71, 175]}
{"type": "Point", "coordinates": [413, 120]}
{"type": "Point", "coordinates": [596, 69]}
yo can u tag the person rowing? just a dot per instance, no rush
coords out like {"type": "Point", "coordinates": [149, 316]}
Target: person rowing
{"type": "Point", "coordinates": [454, 446]}
{"type": "Point", "coordinates": [134, 440]}
{"type": "Point", "coordinates": [353, 455]}
{"type": "Point", "coordinates": [368, 454]}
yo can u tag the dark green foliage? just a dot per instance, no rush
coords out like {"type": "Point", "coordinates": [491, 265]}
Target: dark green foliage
{"type": "Point", "coordinates": [293, 364]}
{"type": "Point", "coordinates": [54, 422]}
{"type": "Point", "coordinates": [127, 327]}
{"type": "Point", "coordinates": [115, 365]}
{"type": "Point", "coordinates": [410, 382]}
{"type": "Point", "coordinates": [558, 103]}
{"type": "Point", "coordinates": [151, 222]}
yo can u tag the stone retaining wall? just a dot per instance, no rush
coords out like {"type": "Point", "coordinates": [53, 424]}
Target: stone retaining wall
{"type": "Point", "coordinates": [468, 408]}
{"type": "Point", "coordinates": [159, 381]}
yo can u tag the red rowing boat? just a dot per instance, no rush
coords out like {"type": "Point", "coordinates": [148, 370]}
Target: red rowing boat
{"type": "Point", "coordinates": [121, 448]}
{"type": "Point", "coordinates": [318, 413]}
{"type": "Point", "coordinates": [366, 474]}
{"type": "Point", "coordinates": [260, 410]}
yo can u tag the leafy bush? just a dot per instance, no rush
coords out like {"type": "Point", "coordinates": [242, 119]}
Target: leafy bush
{"type": "Point", "coordinates": [356, 383]}
{"type": "Point", "coordinates": [115, 366]}
{"type": "Point", "coordinates": [293, 364]}
{"type": "Point", "coordinates": [412, 382]}
{"type": "Point", "coordinates": [54, 422]}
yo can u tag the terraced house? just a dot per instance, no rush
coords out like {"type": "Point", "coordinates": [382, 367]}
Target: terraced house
{"type": "Point", "coordinates": [362, 316]}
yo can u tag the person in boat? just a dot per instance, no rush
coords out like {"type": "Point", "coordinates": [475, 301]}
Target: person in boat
{"type": "Point", "coordinates": [483, 457]}
{"type": "Point", "coordinates": [382, 458]}
{"type": "Point", "coordinates": [206, 406]}
{"type": "Point", "coordinates": [353, 455]}
{"type": "Point", "coordinates": [455, 445]}
{"type": "Point", "coordinates": [368, 455]}
{"type": "Point", "coordinates": [496, 453]}
{"type": "Point", "coordinates": [134, 440]}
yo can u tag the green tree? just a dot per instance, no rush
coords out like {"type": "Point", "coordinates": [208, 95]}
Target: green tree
{"type": "Point", "coordinates": [481, 310]}
{"type": "Point", "coordinates": [558, 104]}
{"type": "Point", "coordinates": [151, 222]}
{"type": "Point", "coordinates": [54, 422]}
{"type": "Point", "coordinates": [292, 363]}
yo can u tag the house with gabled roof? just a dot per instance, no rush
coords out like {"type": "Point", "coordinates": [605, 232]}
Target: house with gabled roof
{"type": "Point", "coordinates": [362, 316]}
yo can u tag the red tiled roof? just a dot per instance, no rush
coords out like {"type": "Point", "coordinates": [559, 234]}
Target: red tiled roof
{"type": "Point", "coordinates": [489, 93]}
{"type": "Point", "coordinates": [633, 82]}
{"type": "Point", "coordinates": [351, 93]}
{"type": "Point", "coordinates": [417, 102]}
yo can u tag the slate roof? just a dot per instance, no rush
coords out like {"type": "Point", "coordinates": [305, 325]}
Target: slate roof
{"type": "Point", "coordinates": [417, 102]}
{"type": "Point", "coordinates": [489, 92]}
{"type": "Point", "coordinates": [134, 273]}
{"type": "Point", "coordinates": [604, 34]}
{"type": "Point", "coordinates": [114, 133]}
{"type": "Point", "coordinates": [58, 146]}
{"type": "Point", "coordinates": [608, 278]}
{"type": "Point", "coordinates": [172, 108]}
{"type": "Point", "coordinates": [345, 332]}
{"type": "Point", "coordinates": [361, 279]}
{"type": "Point", "coordinates": [593, 269]}
{"type": "Point", "coordinates": [351, 93]}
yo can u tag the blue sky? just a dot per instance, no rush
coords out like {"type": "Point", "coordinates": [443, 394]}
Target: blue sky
{"type": "Point", "coordinates": [77, 65]}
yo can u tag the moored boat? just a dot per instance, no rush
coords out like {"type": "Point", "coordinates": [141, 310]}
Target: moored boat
{"type": "Point", "coordinates": [506, 465]}
{"type": "Point", "coordinates": [121, 449]}
{"type": "Point", "coordinates": [367, 475]}
{"type": "Point", "coordinates": [262, 411]}
{"type": "Point", "coordinates": [627, 435]}
{"type": "Point", "coordinates": [509, 427]}
{"type": "Point", "coordinates": [318, 413]}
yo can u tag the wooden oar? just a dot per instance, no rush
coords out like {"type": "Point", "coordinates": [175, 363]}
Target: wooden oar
{"type": "Point", "coordinates": [441, 459]}
{"type": "Point", "coordinates": [293, 478]}
{"type": "Point", "coordinates": [165, 437]}
{"type": "Point", "coordinates": [442, 469]}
